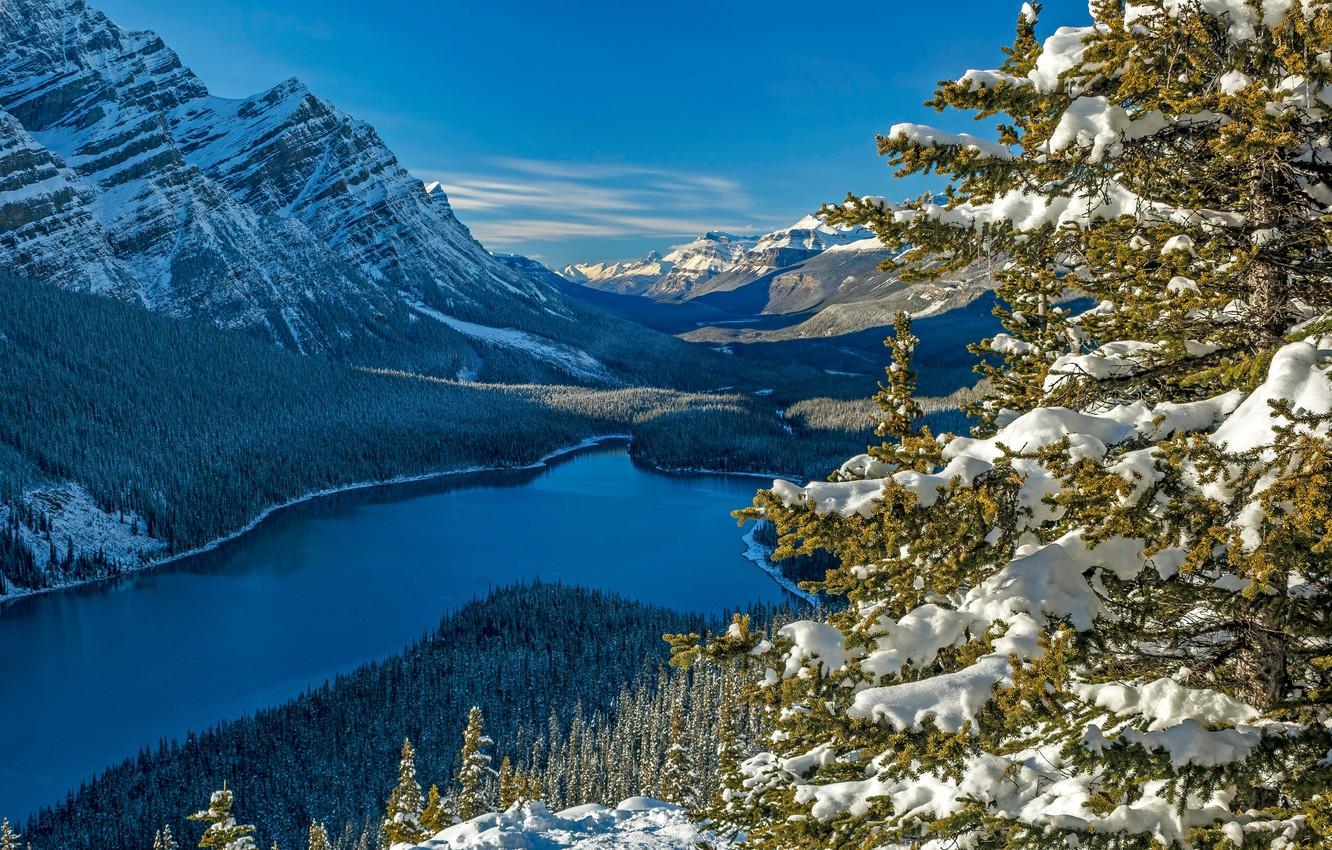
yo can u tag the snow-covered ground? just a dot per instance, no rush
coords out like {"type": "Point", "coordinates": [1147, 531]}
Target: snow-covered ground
{"type": "Point", "coordinates": [636, 824]}
{"type": "Point", "coordinates": [78, 522]}
{"type": "Point", "coordinates": [572, 360]}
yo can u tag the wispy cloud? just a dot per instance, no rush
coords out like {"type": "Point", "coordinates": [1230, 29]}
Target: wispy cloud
{"type": "Point", "coordinates": [514, 201]}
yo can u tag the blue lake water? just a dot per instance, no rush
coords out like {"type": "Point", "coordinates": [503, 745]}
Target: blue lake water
{"type": "Point", "coordinates": [90, 675]}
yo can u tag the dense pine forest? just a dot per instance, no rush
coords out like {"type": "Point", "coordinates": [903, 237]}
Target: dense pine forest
{"type": "Point", "coordinates": [571, 684]}
{"type": "Point", "coordinates": [180, 433]}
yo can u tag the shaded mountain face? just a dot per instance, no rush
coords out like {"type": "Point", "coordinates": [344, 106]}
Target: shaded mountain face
{"type": "Point", "coordinates": [121, 175]}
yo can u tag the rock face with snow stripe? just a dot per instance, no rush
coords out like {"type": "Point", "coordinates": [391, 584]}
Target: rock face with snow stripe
{"type": "Point", "coordinates": [47, 227]}
{"type": "Point", "coordinates": [636, 824]}
{"type": "Point", "coordinates": [278, 212]}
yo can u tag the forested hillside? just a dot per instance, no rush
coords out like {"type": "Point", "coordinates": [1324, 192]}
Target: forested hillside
{"type": "Point", "coordinates": [570, 682]}
{"type": "Point", "coordinates": [127, 436]}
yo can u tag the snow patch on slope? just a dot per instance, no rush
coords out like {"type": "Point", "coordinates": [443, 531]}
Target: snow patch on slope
{"type": "Point", "coordinates": [78, 522]}
{"type": "Point", "coordinates": [569, 359]}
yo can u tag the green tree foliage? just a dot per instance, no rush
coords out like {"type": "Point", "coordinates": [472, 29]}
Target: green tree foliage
{"type": "Point", "coordinates": [897, 396]}
{"type": "Point", "coordinates": [1100, 621]}
{"type": "Point", "coordinates": [318, 837]}
{"type": "Point", "coordinates": [437, 813]}
{"type": "Point", "coordinates": [402, 820]}
{"type": "Point", "coordinates": [164, 840]}
{"type": "Point", "coordinates": [474, 770]}
{"type": "Point", "coordinates": [223, 832]}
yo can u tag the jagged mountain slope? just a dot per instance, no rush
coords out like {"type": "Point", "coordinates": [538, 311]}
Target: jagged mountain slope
{"type": "Point", "coordinates": [276, 213]}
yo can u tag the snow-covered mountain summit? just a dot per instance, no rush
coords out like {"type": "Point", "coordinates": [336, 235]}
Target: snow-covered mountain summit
{"type": "Point", "coordinates": [123, 175]}
{"type": "Point", "coordinates": [689, 270]}
{"type": "Point", "coordinates": [657, 276]}
{"type": "Point", "coordinates": [827, 274]}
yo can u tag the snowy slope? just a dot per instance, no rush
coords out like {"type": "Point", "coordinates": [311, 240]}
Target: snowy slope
{"type": "Point", "coordinates": [636, 824]}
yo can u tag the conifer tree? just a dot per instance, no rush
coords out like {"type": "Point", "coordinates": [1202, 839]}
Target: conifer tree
{"type": "Point", "coordinates": [402, 821]}
{"type": "Point", "coordinates": [526, 786]}
{"type": "Point", "coordinates": [1101, 620]}
{"type": "Point", "coordinates": [677, 772]}
{"type": "Point", "coordinates": [9, 839]}
{"type": "Point", "coordinates": [436, 815]}
{"type": "Point", "coordinates": [223, 832]}
{"type": "Point", "coordinates": [508, 792]}
{"type": "Point", "coordinates": [474, 771]}
{"type": "Point", "coordinates": [721, 812]}
{"type": "Point", "coordinates": [318, 839]}
{"type": "Point", "coordinates": [164, 840]}
{"type": "Point", "coordinates": [897, 397]}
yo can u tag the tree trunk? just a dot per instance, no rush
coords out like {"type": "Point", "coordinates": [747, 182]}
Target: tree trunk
{"type": "Point", "coordinates": [1268, 298]}
{"type": "Point", "coordinates": [1261, 669]}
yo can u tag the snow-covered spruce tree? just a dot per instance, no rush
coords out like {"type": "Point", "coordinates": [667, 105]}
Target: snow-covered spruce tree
{"type": "Point", "coordinates": [474, 770]}
{"type": "Point", "coordinates": [222, 832]}
{"type": "Point", "coordinates": [164, 840]}
{"type": "Point", "coordinates": [721, 814]}
{"type": "Point", "coordinates": [402, 818]}
{"type": "Point", "coordinates": [896, 398]}
{"type": "Point", "coordinates": [318, 837]}
{"type": "Point", "coordinates": [1102, 620]}
{"type": "Point", "coordinates": [9, 839]}
{"type": "Point", "coordinates": [678, 780]}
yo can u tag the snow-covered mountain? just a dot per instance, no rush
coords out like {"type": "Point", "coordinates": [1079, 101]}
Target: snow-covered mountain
{"type": "Point", "coordinates": [687, 270]}
{"type": "Point", "coordinates": [121, 175]}
{"type": "Point", "coordinates": [829, 275]}
{"type": "Point", "coordinates": [674, 275]}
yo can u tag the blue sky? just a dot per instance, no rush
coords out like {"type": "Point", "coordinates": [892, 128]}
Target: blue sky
{"type": "Point", "coordinates": [598, 130]}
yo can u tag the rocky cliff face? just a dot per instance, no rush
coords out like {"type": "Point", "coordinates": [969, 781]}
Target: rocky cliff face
{"type": "Point", "coordinates": [122, 175]}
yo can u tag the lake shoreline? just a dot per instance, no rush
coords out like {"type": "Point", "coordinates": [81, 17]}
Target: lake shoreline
{"type": "Point", "coordinates": [252, 524]}
{"type": "Point", "coordinates": [757, 553]}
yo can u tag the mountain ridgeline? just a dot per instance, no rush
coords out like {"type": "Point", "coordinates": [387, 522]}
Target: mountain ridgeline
{"type": "Point", "coordinates": [807, 280]}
